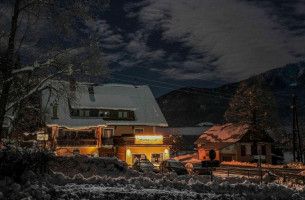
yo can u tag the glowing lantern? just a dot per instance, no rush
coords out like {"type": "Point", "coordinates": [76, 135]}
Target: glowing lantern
{"type": "Point", "coordinates": [128, 152]}
{"type": "Point", "coordinates": [166, 151]}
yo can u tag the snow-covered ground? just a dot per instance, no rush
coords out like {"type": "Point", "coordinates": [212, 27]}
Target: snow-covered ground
{"type": "Point", "coordinates": [122, 183]}
{"type": "Point", "coordinates": [292, 165]}
{"type": "Point", "coordinates": [143, 186]}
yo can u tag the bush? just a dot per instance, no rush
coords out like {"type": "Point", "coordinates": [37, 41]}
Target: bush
{"type": "Point", "coordinates": [15, 161]}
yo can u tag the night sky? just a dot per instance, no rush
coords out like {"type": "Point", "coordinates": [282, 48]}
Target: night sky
{"type": "Point", "coordinates": [169, 44]}
{"type": "Point", "coordinates": [202, 43]}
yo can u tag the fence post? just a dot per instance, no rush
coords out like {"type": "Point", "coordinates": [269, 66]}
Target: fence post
{"type": "Point", "coordinates": [211, 174]}
{"type": "Point", "coordinates": [261, 175]}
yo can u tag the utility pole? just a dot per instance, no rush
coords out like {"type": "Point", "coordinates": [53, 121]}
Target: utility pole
{"type": "Point", "coordinates": [296, 132]}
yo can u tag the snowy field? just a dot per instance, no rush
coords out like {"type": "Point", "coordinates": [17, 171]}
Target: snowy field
{"type": "Point", "coordinates": [143, 186]}
{"type": "Point", "coordinates": [115, 181]}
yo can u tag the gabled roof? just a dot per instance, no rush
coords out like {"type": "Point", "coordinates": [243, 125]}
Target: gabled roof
{"type": "Point", "coordinates": [107, 96]}
{"type": "Point", "coordinates": [223, 133]}
{"type": "Point", "coordinates": [219, 137]}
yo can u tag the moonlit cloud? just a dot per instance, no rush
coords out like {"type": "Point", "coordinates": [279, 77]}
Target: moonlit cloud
{"type": "Point", "coordinates": [237, 38]}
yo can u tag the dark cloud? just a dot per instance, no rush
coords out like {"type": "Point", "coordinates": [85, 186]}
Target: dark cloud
{"type": "Point", "coordinates": [217, 40]}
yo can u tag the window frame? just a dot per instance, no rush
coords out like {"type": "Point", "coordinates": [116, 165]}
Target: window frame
{"type": "Point", "coordinates": [103, 136]}
{"type": "Point", "coordinates": [103, 112]}
{"type": "Point", "coordinates": [134, 131]}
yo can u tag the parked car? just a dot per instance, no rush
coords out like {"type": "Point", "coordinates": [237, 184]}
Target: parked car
{"type": "Point", "coordinates": [172, 165]}
{"type": "Point", "coordinates": [196, 168]}
{"type": "Point", "coordinates": [144, 165]}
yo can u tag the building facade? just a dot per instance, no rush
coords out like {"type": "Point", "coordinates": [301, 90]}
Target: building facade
{"type": "Point", "coordinates": [106, 120]}
{"type": "Point", "coordinates": [235, 142]}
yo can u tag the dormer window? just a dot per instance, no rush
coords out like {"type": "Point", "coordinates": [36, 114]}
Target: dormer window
{"type": "Point", "coordinates": [123, 114]}
{"type": "Point", "coordinates": [104, 113]}
{"type": "Point", "coordinates": [84, 113]}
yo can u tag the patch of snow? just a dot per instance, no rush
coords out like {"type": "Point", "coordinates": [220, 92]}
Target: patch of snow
{"type": "Point", "coordinates": [145, 186]}
{"type": "Point", "coordinates": [206, 124]}
{"type": "Point", "coordinates": [89, 166]}
{"type": "Point", "coordinates": [293, 84]}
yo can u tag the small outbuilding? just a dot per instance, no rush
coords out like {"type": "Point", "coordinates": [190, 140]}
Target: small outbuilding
{"type": "Point", "coordinates": [235, 142]}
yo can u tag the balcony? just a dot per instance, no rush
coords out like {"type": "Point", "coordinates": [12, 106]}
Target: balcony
{"type": "Point", "coordinates": [76, 142]}
{"type": "Point", "coordinates": [107, 141]}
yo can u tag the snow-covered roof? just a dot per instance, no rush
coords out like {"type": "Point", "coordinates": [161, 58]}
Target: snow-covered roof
{"type": "Point", "coordinates": [228, 133]}
{"type": "Point", "coordinates": [225, 135]}
{"type": "Point", "coordinates": [64, 119]}
{"type": "Point", "coordinates": [107, 96]}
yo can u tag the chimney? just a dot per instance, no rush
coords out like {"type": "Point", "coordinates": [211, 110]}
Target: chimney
{"type": "Point", "coordinates": [72, 84]}
{"type": "Point", "coordinates": [91, 92]}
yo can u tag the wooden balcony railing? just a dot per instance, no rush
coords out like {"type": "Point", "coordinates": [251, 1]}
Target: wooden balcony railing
{"type": "Point", "coordinates": [107, 141]}
{"type": "Point", "coordinates": [76, 142]}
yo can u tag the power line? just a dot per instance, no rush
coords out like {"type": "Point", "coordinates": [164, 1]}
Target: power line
{"type": "Point", "coordinates": [169, 88]}
{"type": "Point", "coordinates": [210, 80]}
{"type": "Point", "coordinates": [171, 84]}
{"type": "Point", "coordinates": [162, 82]}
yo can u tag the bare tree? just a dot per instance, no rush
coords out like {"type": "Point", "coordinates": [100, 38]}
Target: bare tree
{"type": "Point", "coordinates": [254, 104]}
{"type": "Point", "coordinates": [51, 40]}
{"type": "Point", "coordinates": [176, 141]}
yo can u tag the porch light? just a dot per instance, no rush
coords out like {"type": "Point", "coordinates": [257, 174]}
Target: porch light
{"type": "Point", "coordinates": [128, 152]}
{"type": "Point", "coordinates": [166, 151]}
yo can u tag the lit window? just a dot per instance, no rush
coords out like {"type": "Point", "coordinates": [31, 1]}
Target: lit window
{"type": "Point", "coordinates": [104, 114]}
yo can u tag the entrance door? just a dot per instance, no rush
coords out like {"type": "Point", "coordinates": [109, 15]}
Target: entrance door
{"type": "Point", "coordinates": [156, 158]}
{"type": "Point", "coordinates": [137, 157]}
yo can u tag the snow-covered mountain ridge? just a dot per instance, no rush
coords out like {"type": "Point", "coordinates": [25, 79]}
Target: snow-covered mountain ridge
{"type": "Point", "coordinates": [190, 106]}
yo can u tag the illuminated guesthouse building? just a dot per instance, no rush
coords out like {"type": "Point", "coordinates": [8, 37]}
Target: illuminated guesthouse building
{"type": "Point", "coordinates": [106, 120]}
